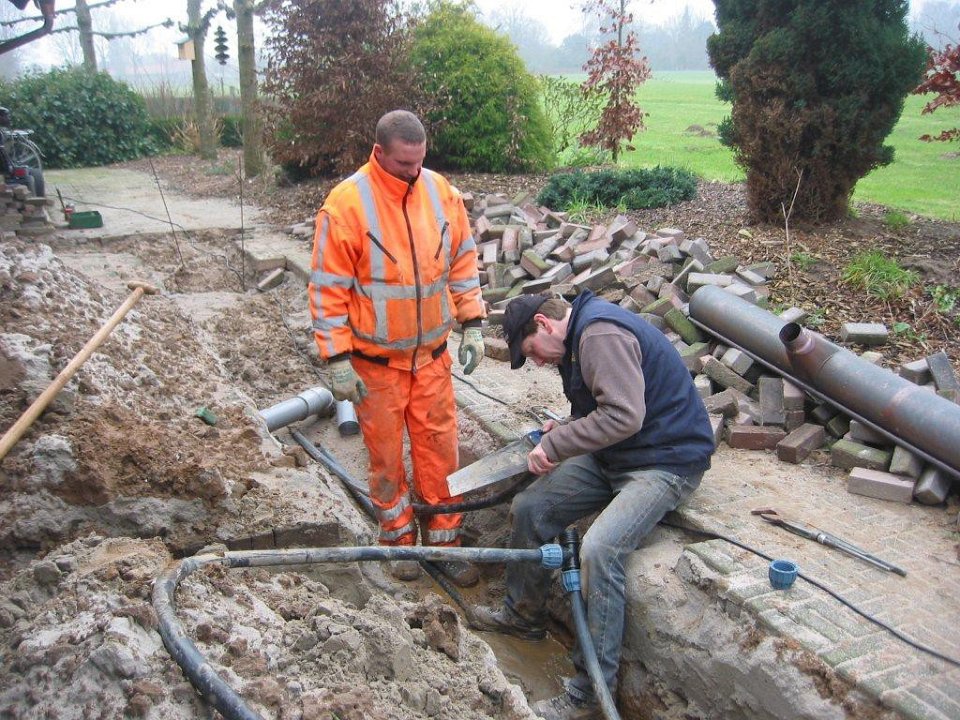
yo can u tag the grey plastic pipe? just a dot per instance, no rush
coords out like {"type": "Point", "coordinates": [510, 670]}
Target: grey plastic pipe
{"type": "Point", "coordinates": [315, 401]}
{"type": "Point", "coordinates": [347, 418]}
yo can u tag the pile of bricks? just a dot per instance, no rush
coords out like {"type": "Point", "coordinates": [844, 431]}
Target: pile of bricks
{"type": "Point", "coordinates": [523, 249]}
{"type": "Point", "coordinates": [21, 213]}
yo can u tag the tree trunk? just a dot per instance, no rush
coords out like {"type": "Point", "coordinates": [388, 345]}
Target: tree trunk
{"type": "Point", "coordinates": [201, 90]}
{"type": "Point", "coordinates": [85, 26]}
{"type": "Point", "coordinates": [246, 57]}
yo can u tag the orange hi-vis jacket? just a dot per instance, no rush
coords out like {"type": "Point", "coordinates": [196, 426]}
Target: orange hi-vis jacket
{"type": "Point", "coordinates": [394, 263]}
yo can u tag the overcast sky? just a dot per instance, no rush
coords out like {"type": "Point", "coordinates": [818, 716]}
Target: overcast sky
{"type": "Point", "coordinates": [560, 17]}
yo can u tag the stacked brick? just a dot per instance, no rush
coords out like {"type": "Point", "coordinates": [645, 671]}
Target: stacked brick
{"type": "Point", "coordinates": [22, 214]}
{"type": "Point", "coordinates": [523, 248]}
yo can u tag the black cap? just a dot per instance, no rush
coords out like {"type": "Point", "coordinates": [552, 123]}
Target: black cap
{"type": "Point", "coordinates": [518, 313]}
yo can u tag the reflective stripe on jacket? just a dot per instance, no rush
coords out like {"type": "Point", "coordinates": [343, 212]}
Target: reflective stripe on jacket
{"type": "Point", "coordinates": [394, 264]}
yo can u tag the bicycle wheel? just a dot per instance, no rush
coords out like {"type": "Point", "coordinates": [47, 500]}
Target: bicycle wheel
{"type": "Point", "coordinates": [24, 152]}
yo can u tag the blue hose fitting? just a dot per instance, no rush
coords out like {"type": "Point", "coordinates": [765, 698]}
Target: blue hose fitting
{"type": "Point", "coordinates": [551, 556]}
{"type": "Point", "coordinates": [570, 580]}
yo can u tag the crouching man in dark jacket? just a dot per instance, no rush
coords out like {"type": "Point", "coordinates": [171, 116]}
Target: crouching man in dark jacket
{"type": "Point", "coordinates": [636, 445]}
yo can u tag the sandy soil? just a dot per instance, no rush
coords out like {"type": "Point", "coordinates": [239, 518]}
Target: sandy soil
{"type": "Point", "coordinates": [120, 476]}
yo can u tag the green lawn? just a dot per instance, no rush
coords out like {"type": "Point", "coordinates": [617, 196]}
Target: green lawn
{"type": "Point", "coordinates": [681, 131]}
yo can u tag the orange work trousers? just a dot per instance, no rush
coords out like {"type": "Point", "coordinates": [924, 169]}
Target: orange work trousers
{"type": "Point", "coordinates": [423, 403]}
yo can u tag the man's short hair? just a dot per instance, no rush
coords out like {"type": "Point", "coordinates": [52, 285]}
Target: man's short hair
{"type": "Point", "coordinates": [518, 322]}
{"type": "Point", "coordinates": [400, 125]}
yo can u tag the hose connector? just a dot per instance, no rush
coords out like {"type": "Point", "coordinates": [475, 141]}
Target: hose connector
{"type": "Point", "coordinates": [551, 556]}
{"type": "Point", "coordinates": [570, 577]}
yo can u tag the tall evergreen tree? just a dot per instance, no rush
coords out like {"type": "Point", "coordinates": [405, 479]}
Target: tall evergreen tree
{"type": "Point", "coordinates": [816, 87]}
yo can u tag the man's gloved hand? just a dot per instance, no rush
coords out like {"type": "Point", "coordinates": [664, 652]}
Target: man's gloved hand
{"type": "Point", "coordinates": [471, 349]}
{"type": "Point", "coordinates": [345, 384]}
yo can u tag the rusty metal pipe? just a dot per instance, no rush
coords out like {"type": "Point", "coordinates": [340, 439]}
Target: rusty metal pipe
{"type": "Point", "coordinates": [908, 415]}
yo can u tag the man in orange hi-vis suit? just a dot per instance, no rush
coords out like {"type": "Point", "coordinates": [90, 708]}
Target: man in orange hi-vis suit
{"type": "Point", "coordinates": [394, 266]}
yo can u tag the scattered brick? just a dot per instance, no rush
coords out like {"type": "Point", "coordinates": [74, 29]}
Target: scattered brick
{"type": "Point", "coordinates": [846, 454]}
{"type": "Point", "coordinates": [880, 485]}
{"type": "Point", "coordinates": [864, 333]}
{"type": "Point", "coordinates": [943, 376]}
{"type": "Point", "coordinates": [916, 372]}
{"type": "Point", "coordinates": [933, 486]}
{"type": "Point", "coordinates": [795, 447]}
{"type": "Point", "coordinates": [904, 462]}
{"type": "Point", "coordinates": [772, 411]}
{"type": "Point", "coordinates": [725, 376]}
{"type": "Point", "coordinates": [753, 437]}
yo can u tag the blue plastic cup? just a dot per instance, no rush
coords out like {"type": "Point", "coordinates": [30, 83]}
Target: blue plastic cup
{"type": "Point", "coordinates": [782, 573]}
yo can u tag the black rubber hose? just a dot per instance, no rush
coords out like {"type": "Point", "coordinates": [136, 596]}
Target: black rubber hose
{"type": "Point", "coordinates": [329, 462]}
{"type": "Point", "coordinates": [570, 541]}
{"type": "Point", "coordinates": [182, 649]}
{"type": "Point", "coordinates": [359, 494]}
{"type": "Point", "coordinates": [323, 457]}
{"type": "Point", "coordinates": [199, 671]}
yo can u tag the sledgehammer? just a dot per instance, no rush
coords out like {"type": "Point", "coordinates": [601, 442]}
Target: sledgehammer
{"type": "Point", "coordinates": [17, 430]}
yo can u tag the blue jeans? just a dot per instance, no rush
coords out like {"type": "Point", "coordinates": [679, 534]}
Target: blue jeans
{"type": "Point", "coordinates": [632, 503]}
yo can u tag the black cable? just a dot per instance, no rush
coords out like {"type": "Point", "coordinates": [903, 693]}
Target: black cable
{"type": "Point", "coordinates": [833, 593]}
{"type": "Point", "coordinates": [360, 495]}
{"type": "Point", "coordinates": [325, 458]}
{"type": "Point", "coordinates": [186, 233]}
{"type": "Point", "coordinates": [478, 390]}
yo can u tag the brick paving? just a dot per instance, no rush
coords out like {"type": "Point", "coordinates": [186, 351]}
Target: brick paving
{"type": "Point", "coordinates": [924, 605]}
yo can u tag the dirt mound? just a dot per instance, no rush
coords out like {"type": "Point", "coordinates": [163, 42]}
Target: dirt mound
{"type": "Point", "coordinates": [123, 437]}
{"type": "Point", "coordinates": [78, 639]}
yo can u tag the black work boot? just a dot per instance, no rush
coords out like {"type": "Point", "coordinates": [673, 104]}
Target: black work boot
{"type": "Point", "coordinates": [462, 573]}
{"type": "Point", "coordinates": [503, 620]}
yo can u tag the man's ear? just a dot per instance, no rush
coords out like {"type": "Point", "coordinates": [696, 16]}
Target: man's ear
{"type": "Point", "coordinates": [543, 322]}
{"type": "Point", "coordinates": [377, 151]}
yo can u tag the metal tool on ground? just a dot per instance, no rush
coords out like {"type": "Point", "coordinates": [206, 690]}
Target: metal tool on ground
{"type": "Point", "coordinates": [17, 430]}
{"type": "Point", "coordinates": [824, 538]}
{"type": "Point", "coordinates": [504, 463]}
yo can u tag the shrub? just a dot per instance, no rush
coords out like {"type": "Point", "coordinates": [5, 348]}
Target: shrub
{"type": "Point", "coordinates": [334, 68]}
{"type": "Point", "coordinates": [231, 135]}
{"type": "Point", "coordinates": [486, 115]}
{"type": "Point", "coordinates": [816, 89]}
{"type": "Point", "coordinates": [633, 189]}
{"type": "Point", "coordinates": [570, 109]}
{"type": "Point", "coordinates": [162, 132]}
{"type": "Point", "coordinates": [80, 118]}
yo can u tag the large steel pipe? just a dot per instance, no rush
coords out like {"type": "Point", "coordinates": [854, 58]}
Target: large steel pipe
{"type": "Point", "coordinates": [906, 413]}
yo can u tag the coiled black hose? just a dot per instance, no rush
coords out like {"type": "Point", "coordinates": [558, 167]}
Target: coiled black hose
{"type": "Point", "coordinates": [199, 671]}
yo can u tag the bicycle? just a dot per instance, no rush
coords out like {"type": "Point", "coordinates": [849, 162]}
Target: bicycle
{"type": "Point", "coordinates": [21, 159]}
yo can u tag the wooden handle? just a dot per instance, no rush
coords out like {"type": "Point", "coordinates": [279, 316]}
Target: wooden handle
{"type": "Point", "coordinates": [17, 430]}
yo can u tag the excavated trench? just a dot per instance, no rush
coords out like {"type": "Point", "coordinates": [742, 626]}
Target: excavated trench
{"type": "Point", "coordinates": [122, 475]}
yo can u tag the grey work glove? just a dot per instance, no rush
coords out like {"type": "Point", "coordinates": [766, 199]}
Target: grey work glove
{"type": "Point", "coordinates": [345, 384]}
{"type": "Point", "coordinates": [471, 349]}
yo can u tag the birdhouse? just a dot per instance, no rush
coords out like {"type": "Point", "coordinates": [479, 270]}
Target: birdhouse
{"type": "Point", "coordinates": [185, 49]}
